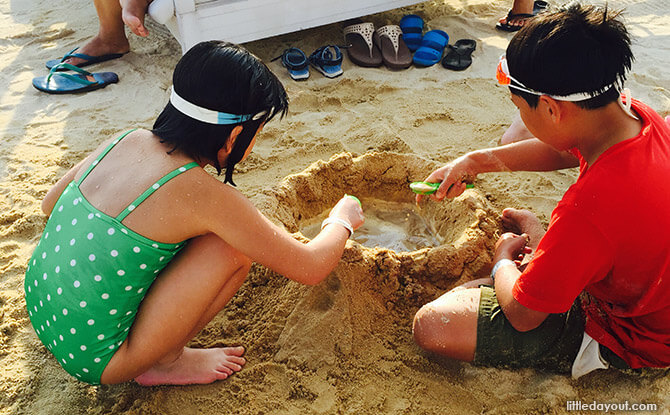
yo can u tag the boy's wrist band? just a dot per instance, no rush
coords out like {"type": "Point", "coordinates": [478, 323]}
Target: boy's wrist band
{"type": "Point", "coordinates": [499, 264]}
{"type": "Point", "coordinates": [338, 221]}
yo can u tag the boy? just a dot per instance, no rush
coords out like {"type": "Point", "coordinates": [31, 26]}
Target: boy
{"type": "Point", "coordinates": [595, 293]}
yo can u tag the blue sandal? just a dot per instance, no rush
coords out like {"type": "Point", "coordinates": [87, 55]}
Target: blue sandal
{"type": "Point", "coordinates": [64, 83]}
{"type": "Point", "coordinates": [432, 47]}
{"type": "Point", "coordinates": [412, 29]}
{"type": "Point", "coordinates": [88, 59]}
{"type": "Point", "coordinates": [295, 61]}
{"type": "Point", "coordinates": [327, 60]}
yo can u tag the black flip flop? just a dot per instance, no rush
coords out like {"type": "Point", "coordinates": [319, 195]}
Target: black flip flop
{"type": "Point", "coordinates": [459, 56]}
{"type": "Point", "coordinates": [506, 27]}
{"type": "Point", "coordinates": [539, 6]}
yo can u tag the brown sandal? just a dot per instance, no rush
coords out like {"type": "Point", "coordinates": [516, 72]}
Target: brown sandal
{"type": "Point", "coordinates": [360, 48]}
{"type": "Point", "coordinates": [395, 53]}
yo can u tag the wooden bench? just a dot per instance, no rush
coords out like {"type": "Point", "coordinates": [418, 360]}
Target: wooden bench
{"type": "Point", "coordinates": [239, 21]}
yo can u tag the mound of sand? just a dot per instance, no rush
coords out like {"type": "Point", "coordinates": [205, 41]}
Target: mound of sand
{"type": "Point", "coordinates": [344, 346]}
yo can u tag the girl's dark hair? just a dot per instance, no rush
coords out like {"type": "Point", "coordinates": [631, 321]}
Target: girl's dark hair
{"type": "Point", "coordinates": [580, 48]}
{"type": "Point", "coordinates": [222, 77]}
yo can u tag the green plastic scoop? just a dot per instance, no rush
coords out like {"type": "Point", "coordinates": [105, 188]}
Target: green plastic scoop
{"type": "Point", "coordinates": [426, 188]}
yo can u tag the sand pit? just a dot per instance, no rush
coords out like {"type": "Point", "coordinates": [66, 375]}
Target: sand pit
{"type": "Point", "coordinates": [344, 346]}
{"type": "Point", "coordinates": [465, 228]}
{"type": "Point", "coordinates": [399, 227]}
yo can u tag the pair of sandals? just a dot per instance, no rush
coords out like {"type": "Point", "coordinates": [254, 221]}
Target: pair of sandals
{"type": "Point", "coordinates": [58, 81]}
{"type": "Point", "coordinates": [368, 47]}
{"type": "Point", "coordinates": [428, 48]}
{"type": "Point", "coordinates": [539, 6]}
{"type": "Point", "coordinates": [326, 59]}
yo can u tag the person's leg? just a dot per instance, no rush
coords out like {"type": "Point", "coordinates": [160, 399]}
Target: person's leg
{"type": "Point", "coordinates": [448, 325]}
{"type": "Point", "coordinates": [111, 37]}
{"type": "Point", "coordinates": [519, 7]}
{"type": "Point", "coordinates": [517, 131]}
{"type": "Point", "coordinates": [133, 15]}
{"type": "Point", "coordinates": [185, 297]}
{"type": "Point", "coordinates": [468, 324]}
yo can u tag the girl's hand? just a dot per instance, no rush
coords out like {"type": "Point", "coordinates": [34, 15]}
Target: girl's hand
{"type": "Point", "coordinates": [350, 210]}
{"type": "Point", "coordinates": [512, 246]}
{"type": "Point", "coordinates": [452, 178]}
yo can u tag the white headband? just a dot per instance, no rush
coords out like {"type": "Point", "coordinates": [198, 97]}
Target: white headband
{"type": "Point", "coordinates": [207, 115]}
{"type": "Point", "coordinates": [578, 96]}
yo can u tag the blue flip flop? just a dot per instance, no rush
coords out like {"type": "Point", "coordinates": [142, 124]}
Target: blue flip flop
{"type": "Point", "coordinates": [295, 61]}
{"type": "Point", "coordinates": [412, 29]}
{"type": "Point", "coordinates": [64, 83]}
{"type": "Point", "coordinates": [88, 59]}
{"type": "Point", "coordinates": [327, 60]}
{"type": "Point", "coordinates": [432, 46]}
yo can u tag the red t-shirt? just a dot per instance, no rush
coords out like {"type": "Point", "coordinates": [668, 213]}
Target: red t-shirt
{"type": "Point", "coordinates": [610, 237]}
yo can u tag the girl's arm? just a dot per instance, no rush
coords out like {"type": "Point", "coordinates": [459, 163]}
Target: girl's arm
{"type": "Point", "coordinates": [56, 190]}
{"type": "Point", "coordinates": [236, 220]}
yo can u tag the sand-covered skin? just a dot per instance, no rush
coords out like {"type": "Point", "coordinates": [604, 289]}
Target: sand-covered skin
{"type": "Point", "coordinates": [344, 346]}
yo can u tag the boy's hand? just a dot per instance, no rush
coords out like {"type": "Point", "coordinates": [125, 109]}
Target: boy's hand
{"type": "Point", "coordinates": [452, 178]}
{"type": "Point", "coordinates": [512, 246]}
{"type": "Point", "coordinates": [350, 210]}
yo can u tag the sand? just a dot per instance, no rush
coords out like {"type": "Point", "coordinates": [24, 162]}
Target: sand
{"type": "Point", "coordinates": [344, 346]}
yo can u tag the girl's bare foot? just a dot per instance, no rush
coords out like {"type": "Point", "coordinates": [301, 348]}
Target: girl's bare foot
{"type": "Point", "coordinates": [523, 221]}
{"type": "Point", "coordinates": [132, 13]}
{"type": "Point", "coordinates": [195, 366]}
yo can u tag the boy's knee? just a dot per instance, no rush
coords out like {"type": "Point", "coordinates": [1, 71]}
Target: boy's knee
{"type": "Point", "coordinates": [427, 329]}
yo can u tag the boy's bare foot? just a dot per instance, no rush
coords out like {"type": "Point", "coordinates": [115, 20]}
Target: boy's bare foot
{"type": "Point", "coordinates": [523, 221]}
{"type": "Point", "coordinates": [195, 366]}
{"type": "Point", "coordinates": [132, 13]}
{"type": "Point", "coordinates": [517, 131]}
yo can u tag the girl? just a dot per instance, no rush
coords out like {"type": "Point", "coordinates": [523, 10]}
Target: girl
{"type": "Point", "coordinates": [143, 247]}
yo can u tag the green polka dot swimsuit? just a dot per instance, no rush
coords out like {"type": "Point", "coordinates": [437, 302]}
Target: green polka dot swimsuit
{"type": "Point", "coordinates": [87, 277]}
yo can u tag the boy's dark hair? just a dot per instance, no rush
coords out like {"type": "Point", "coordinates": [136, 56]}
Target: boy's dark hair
{"type": "Point", "coordinates": [222, 77]}
{"type": "Point", "coordinates": [580, 48]}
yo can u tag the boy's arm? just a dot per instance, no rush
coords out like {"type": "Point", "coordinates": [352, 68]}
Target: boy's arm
{"type": "Point", "coordinates": [522, 318]}
{"type": "Point", "coordinates": [56, 190]}
{"type": "Point", "coordinates": [526, 155]}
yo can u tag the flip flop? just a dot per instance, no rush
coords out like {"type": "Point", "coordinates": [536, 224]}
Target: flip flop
{"type": "Point", "coordinates": [327, 60]}
{"type": "Point", "coordinates": [539, 6]}
{"type": "Point", "coordinates": [295, 61]}
{"type": "Point", "coordinates": [395, 54]}
{"type": "Point", "coordinates": [88, 60]}
{"type": "Point", "coordinates": [64, 83]}
{"type": "Point", "coordinates": [431, 49]}
{"type": "Point", "coordinates": [412, 29]}
{"type": "Point", "coordinates": [459, 56]}
{"type": "Point", "coordinates": [360, 47]}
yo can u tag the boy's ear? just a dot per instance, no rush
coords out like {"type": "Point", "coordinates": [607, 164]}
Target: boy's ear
{"type": "Point", "coordinates": [552, 108]}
